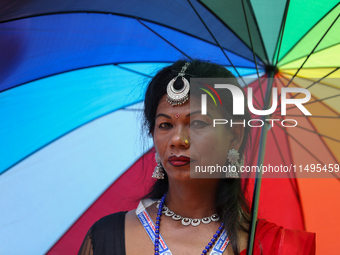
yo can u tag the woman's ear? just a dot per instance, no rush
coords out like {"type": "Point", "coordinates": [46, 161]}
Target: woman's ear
{"type": "Point", "coordinates": [238, 134]}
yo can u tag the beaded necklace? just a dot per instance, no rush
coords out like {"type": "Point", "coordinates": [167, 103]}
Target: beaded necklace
{"type": "Point", "coordinates": [158, 220]}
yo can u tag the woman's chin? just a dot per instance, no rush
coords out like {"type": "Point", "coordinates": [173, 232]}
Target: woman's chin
{"type": "Point", "coordinates": [177, 173]}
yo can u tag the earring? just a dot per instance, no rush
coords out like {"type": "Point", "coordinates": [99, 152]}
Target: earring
{"type": "Point", "coordinates": [233, 157]}
{"type": "Point", "coordinates": [159, 170]}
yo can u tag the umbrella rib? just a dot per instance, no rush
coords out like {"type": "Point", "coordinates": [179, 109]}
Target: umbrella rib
{"type": "Point", "coordinates": [153, 31]}
{"type": "Point", "coordinates": [254, 97]}
{"type": "Point", "coordinates": [245, 67]}
{"type": "Point", "coordinates": [282, 28]}
{"type": "Point", "coordinates": [294, 187]}
{"type": "Point", "coordinates": [297, 186]}
{"type": "Point", "coordinates": [323, 141]}
{"type": "Point", "coordinates": [308, 68]}
{"type": "Point", "coordinates": [278, 147]}
{"type": "Point", "coordinates": [309, 152]}
{"type": "Point", "coordinates": [128, 16]}
{"type": "Point", "coordinates": [290, 152]}
{"type": "Point", "coordinates": [315, 101]}
{"type": "Point", "coordinates": [313, 126]}
{"type": "Point", "coordinates": [131, 109]}
{"type": "Point", "coordinates": [317, 81]}
{"type": "Point", "coordinates": [258, 28]}
{"type": "Point", "coordinates": [311, 116]}
{"type": "Point", "coordinates": [312, 131]}
{"type": "Point", "coordinates": [132, 71]}
{"type": "Point", "coordinates": [284, 162]}
{"type": "Point", "coordinates": [71, 70]}
{"type": "Point", "coordinates": [218, 44]}
{"type": "Point", "coordinates": [64, 134]}
{"type": "Point", "coordinates": [253, 50]}
{"type": "Point", "coordinates": [300, 204]}
{"type": "Point", "coordinates": [297, 58]}
{"type": "Point", "coordinates": [313, 49]}
{"type": "Point", "coordinates": [310, 30]}
{"type": "Point", "coordinates": [314, 82]}
{"type": "Point", "coordinates": [80, 68]}
{"type": "Point", "coordinates": [224, 23]}
{"type": "Point", "coordinates": [124, 15]}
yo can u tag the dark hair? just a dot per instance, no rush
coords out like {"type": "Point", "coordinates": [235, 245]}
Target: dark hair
{"type": "Point", "coordinates": [230, 200]}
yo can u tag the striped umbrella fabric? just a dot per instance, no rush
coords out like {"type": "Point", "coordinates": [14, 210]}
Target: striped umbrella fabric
{"type": "Point", "coordinates": [72, 82]}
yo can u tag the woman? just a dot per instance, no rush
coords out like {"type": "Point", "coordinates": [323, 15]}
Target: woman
{"type": "Point", "coordinates": [191, 215]}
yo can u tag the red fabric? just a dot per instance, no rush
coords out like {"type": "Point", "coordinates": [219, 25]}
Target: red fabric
{"type": "Point", "coordinates": [123, 195]}
{"type": "Point", "coordinates": [275, 240]}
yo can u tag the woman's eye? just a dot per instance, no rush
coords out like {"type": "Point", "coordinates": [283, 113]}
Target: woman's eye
{"type": "Point", "coordinates": [165, 125]}
{"type": "Point", "coordinates": [199, 123]}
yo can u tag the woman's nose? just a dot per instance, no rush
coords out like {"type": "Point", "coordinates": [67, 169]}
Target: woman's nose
{"type": "Point", "coordinates": [180, 138]}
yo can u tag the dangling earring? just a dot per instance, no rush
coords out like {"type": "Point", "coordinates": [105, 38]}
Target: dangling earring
{"type": "Point", "coordinates": [159, 170]}
{"type": "Point", "coordinates": [233, 157]}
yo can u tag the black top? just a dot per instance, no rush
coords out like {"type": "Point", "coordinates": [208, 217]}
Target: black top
{"type": "Point", "coordinates": [106, 236]}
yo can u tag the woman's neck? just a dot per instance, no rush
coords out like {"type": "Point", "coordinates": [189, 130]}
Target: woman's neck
{"type": "Point", "coordinates": [195, 199]}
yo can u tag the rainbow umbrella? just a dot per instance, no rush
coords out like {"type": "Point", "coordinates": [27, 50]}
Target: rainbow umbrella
{"type": "Point", "coordinates": [72, 81]}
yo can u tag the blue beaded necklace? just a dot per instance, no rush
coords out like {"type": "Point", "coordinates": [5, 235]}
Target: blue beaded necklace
{"type": "Point", "coordinates": [158, 220]}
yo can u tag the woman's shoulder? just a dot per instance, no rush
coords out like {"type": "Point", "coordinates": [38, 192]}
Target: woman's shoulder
{"type": "Point", "coordinates": [107, 222]}
{"type": "Point", "coordinates": [275, 239]}
{"type": "Point", "coordinates": [106, 236]}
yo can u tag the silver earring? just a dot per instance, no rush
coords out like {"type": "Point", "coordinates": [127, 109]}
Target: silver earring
{"type": "Point", "coordinates": [233, 157]}
{"type": "Point", "coordinates": [159, 170]}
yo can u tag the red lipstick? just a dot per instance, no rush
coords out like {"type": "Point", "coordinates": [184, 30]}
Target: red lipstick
{"type": "Point", "coordinates": [179, 161]}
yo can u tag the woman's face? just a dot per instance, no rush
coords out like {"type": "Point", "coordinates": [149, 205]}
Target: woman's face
{"type": "Point", "coordinates": [207, 145]}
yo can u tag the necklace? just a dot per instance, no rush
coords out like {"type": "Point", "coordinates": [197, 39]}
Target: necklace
{"type": "Point", "coordinates": [187, 221]}
{"type": "Point", "coordinates": [158, 220]}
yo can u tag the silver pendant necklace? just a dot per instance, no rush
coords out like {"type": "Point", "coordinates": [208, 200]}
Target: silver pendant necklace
{"type": "Point", "coordinates": [187, 221]}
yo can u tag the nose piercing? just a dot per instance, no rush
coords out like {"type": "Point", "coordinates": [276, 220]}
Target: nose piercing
{"type": "Point", "coordinates": [186, 142]}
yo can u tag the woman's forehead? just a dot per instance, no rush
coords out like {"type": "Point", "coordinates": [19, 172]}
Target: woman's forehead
{"type": "Point", "coordinates": [191, 105]}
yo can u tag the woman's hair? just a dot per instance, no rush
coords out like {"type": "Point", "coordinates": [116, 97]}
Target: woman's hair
{"type": "Point", "coordinates": [230, 201]}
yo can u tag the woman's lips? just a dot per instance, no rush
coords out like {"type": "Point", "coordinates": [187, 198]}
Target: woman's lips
{"type": "Point", "coordinates": [179, 161]}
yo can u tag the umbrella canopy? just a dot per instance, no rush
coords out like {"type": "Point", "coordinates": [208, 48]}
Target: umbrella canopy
{"type": "Point", "coordinates": [73, 74]}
